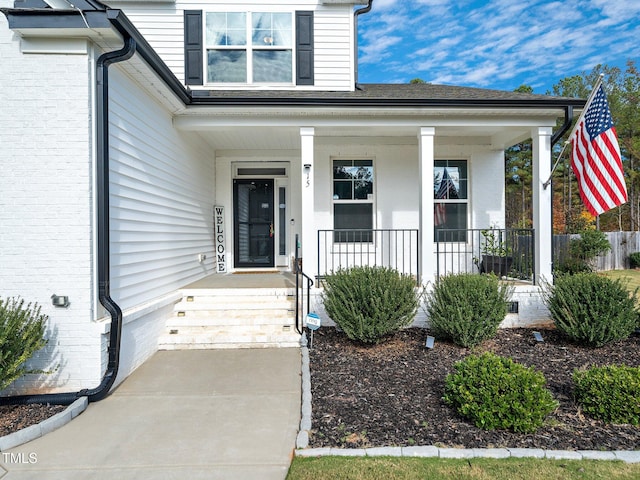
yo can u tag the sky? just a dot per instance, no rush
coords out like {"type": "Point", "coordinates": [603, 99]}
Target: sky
{"type": "Point", "coordinates": [496, 44]}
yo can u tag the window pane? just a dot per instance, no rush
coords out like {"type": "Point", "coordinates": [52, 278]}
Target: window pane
{"type": "Point", "coordinates": [363, 163]}
{"type": "Point", "coordinates": [341, 171]}
{"type": "Point", "coordinates": [271, 29]}
{"type": "Point", "coordinates": [342, 190]}
{"type": "Point", "coordinates": [363, 189]}
{"type": "Point", "coordinates": [272, 66]}
{"type": "Point", "coordinates": [282, 219]}
{"type": "Point", "coordinates": [450, 216]}
{"type": "Point", "coordinates": [226, 66]}
{"type": "Point", "coordinates": [352, 218]}
{"type": "Point", "coordinates": [282, 32]}
{"type": "Point", "coordinates": [225, 29]}
{"type": "Point", "coordinates": [450, 179]}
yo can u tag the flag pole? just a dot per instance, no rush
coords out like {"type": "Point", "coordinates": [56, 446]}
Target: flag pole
{"type": "Point", "coordinates": [594, 90]}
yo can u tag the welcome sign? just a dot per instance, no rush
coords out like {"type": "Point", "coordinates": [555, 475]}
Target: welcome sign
{"type": "Point", "coordinates": [221, 254]}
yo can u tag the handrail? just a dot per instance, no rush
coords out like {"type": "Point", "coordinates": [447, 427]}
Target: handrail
{"type": "Point", "coordinates": [298, 272]}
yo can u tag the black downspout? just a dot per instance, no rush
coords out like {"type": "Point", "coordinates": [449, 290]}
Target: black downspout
{"type": "Point", "coordinates": [568, 120]}
{"type": "Point", "coordinates": [103, 264]}
{"type": "Point", "coordinates": [104, 255]}
{"type": "Point", "coordinates": [356, 14]}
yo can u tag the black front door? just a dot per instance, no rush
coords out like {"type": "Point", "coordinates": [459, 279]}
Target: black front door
{"type": "Point", "coordinates": [253, 223]}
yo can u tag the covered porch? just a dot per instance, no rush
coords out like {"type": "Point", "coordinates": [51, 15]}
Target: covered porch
{"type": "Point", "coordinates": [401, 200]}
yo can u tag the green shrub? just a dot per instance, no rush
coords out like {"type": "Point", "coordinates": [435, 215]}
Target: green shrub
{"type": "Point", "coordinates": [21, 335]}
{"type": "Point", "coordinates": [634, 260]}
{"type": "Point", "coordinates": [591, 309]}
{"type": "Point", "coordinates": [610, 393]}
{"type": "Point", "coordinates": [369, 303]}
{"type": "Point", "coordinates": [497, 393]}
{"type": "Point", "coordinates": [583, 251]}
{"type": "Point", "coordinates": [467, 308]}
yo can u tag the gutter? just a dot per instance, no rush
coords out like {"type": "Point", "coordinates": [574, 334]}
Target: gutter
{"type": "Point", "coordinates": [103, 267]}
{"type": "Point", "coordinates": [356, 14]}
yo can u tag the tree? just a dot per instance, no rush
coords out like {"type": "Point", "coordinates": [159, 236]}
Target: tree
{"type": "Point", "coordinates": [623, 94]}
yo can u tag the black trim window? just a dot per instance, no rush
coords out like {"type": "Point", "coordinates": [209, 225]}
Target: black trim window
{"type": "Point", "coordinates": [249, 47]}
{"type": "Point", "coordinates": [450, 193]}
{"type": "Point", "coordinates": [353, 200]}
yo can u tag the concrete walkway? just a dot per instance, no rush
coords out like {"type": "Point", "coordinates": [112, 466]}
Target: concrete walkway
{"type": "Point", "coordinates": [196, 414]}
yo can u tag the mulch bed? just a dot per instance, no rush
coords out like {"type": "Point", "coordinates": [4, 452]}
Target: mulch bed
{"type": "Point", "coordinates": [391, 394]}
{"type": "Point", "coordinates": [17, 417]}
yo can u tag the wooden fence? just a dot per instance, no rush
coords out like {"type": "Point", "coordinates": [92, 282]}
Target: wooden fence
{"type": "Point", "coordinates": [622, 245]}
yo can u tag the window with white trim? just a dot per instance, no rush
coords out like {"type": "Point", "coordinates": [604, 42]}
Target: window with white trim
{"type": "Point", "coordinates": [249, 47]}
{"type": "Point", "coordinates": [450, 193]}
{"type": "Point", "coordinates": [353, 200]}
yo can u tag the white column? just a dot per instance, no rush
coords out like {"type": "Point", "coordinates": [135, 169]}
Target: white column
{"type": "Point", "coordinates": [309, 235]}
{"type": "Point", "coordinates": [542, 206]}
{"type": "Point", "coordinates": [425, 235]}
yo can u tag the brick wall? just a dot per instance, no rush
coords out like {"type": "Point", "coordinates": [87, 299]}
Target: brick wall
{"type": "Point", "coordinates": [46, 205]}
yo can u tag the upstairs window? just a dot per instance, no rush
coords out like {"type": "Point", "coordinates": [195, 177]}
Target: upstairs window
{"type": "Point", "coordinates": [249, 47]}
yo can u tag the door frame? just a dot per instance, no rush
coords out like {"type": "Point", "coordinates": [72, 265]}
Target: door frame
{"type": "Point", "coordinates": [271, 256]}
{"type": "Point", "coordinates": [278, 172]}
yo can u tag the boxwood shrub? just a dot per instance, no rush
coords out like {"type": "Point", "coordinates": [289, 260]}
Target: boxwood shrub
{"type": "Point", "coordinates": [497, 393]}
{"type": "Point", "coordinates": [610, 393]}
{"type": "Point", "coordinates": [467, 308]}
{"type": "Point", "coordinates": [370, 303]}
{"type": "Point", "coordinates": [592, 309]}
{"type": "Point", "coordinates": [22, 330]}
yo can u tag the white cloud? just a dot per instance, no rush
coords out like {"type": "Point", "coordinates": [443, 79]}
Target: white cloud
{"type": "Point", "coordinates": [498, 43]}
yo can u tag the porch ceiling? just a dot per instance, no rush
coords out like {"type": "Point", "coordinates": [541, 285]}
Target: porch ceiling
{"type": "Point", "coordinates": [238, 137]}
{"type": "Point", "coordinates": [228, 128]}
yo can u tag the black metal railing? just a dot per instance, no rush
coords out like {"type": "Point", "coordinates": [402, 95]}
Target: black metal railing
{"type": "Point", "coordinates": [297, 267]}
{"type": "Point", "coordinates": [506, 252]}
{"type": "Point", "coordinates": [392, 248]}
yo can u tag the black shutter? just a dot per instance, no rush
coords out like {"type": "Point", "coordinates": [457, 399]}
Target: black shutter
{"type": "Point", "coordinates": [193, 71]}
{"type": "Point", "coordinates": [304, 48]}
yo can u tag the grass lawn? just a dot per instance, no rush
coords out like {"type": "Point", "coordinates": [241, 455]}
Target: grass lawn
{"type": "Point", "coordinates": [392, 468]}
{"type": "Point", "coordinates": [632, 276]}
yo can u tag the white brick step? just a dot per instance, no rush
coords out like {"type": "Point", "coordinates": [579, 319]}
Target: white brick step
{"type": "Point", "coordinates": [230, 337]}
{"type": "Point", "coordinates": [249, 304]}
{"type": "Point", "coordinates": [231, 318]}
{"type": "Point", "coordinates": [239, 292]}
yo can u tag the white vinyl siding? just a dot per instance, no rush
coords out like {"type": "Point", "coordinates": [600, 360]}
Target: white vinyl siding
{"type": "Point", "coordinates": [162, 195]}
{"type": "Point", "coordinates": [333, 49]}
{"type": "Point", "coordinates": [162, 26]}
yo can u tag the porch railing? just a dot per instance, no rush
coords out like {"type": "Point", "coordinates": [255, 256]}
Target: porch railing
{"type": "Point", "coordinates": [506, 252]}
{"type": "Point", "coordinates": [392, 248]}
{"type": "Point", "coordinates": [301, 277]}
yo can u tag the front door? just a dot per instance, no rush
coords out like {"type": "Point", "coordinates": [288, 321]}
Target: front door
{"type": "Point", "coordinates": [253, 223]}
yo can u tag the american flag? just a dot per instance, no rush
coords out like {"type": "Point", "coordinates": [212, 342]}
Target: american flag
{"type": "Point", "coordinates": [596, 159]}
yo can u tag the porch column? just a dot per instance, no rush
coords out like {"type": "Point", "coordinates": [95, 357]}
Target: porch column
{"type": "Point", "coordinates": [425, 173]}
{"type": "Point", "coordinates": [542, 205]}
{"type": "Point", "coordinates": [308, 228]}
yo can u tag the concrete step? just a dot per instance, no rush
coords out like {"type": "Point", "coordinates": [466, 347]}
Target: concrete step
{"type": "Point", "coordinates": [235, 336]}
{"type": "Point", "coordinates": [232, 317]}
{"type": "Point", "coordinates": [233, 304]}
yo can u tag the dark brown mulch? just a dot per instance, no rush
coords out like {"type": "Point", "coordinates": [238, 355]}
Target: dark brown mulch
{"type": "Point", "coordinates": [391, 394]}
{"type": "Point", "coordinates": [17, 417]}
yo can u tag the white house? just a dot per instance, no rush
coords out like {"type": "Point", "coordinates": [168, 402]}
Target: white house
{"type": "Point", "coordinates": [122, 126]}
